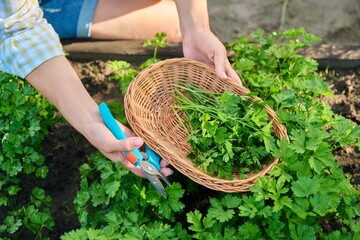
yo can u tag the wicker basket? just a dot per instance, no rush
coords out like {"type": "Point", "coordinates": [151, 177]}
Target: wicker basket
{"type": "Point", "coordinates": [148, 110]}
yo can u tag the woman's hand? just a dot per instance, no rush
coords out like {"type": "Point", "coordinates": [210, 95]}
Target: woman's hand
{"type": "Point", "coordinates": [204, 46]}
{"type": "Point", "coordinates": [113, 148]}
{"type": "Point", "coordinates": [199, 43]}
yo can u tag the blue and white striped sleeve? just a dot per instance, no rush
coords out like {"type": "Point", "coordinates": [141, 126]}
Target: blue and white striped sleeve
{"type": "Point", "coordinates": [26, 39]}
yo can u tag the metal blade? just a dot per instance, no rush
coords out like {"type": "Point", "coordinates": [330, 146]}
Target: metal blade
{"type": "Point", "coordinates": [152, 174]}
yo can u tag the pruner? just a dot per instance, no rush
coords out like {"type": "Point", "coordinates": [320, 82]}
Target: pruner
{"type": "Point", "coordinates": [149, 161]}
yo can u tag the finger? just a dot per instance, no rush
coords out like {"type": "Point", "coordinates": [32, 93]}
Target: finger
{"type": "Point", "coordinates": [232, 74]}
{"type": "Point", "coordinates": [128, 132]}
{"type": "Point", "coordinates": [163, 163]}
{"type": "Point", "coordinates": [118, 157]}
{"type": "Point", "coordinates": [135, 170]}
{"type": "Point", "coordinates": [115, 156]}
{"type": "Point", "coordinates": [166, 171]}
{"type": "Point", "coordinates": [220, 64]}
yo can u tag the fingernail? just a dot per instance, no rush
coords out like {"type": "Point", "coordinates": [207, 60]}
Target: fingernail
{"type": "Point", "coordinates": [138, 142]}
{"type": "Point", "coordinates": [224, 75]}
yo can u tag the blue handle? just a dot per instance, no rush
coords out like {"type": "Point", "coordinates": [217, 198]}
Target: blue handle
{"type": "Point", "coordinates": [112, 125]}
{"type": "Point", "coordinates": [154, 158]}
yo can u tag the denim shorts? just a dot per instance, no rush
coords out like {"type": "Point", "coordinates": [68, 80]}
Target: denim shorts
{"type": "Point", "coordinates": [69, 18]}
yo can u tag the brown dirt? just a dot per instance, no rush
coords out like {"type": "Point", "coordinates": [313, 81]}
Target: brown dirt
{"type": "Point", "coordinates": [335, 22]}
{"type": "Point", "coordinates": [345, 84]}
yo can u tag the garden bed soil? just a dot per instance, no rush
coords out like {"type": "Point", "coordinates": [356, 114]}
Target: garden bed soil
{"type": "Point", "coordinates": [345, 84]}
{"type": "Point", "coordinates": [66, 150]}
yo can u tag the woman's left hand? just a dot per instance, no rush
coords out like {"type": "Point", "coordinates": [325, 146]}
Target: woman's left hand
{"type": "Point", "coordinates": [204, 46]}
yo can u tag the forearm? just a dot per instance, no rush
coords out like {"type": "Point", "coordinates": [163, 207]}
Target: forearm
{"type": "Point", "coordinates": [193, 15]}
{"type": "Point", "coordinates": [59, 83]}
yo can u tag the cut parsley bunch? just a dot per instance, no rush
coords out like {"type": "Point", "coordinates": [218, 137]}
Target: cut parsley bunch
{"type": "Point", "coordinates": [228, 135]}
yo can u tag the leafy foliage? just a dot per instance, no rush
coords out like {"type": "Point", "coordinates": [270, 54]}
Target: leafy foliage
{"type": "Point", "coordinates": [303, 194]}
{"type": "Point", "coordinates": [35, 216]}
{"type": "Point", "coordinates": [157, 42]}
{"type": "Point", "coordinates": [112, 197]}
{"type": "Point", "coordinates": [298, 199]}
{"type": "Point", "coordinates": [227, 134]}
{"type": "Point", "coordinates": [25, 117]}
{"type": "Point", "coordinates": [123, 73]}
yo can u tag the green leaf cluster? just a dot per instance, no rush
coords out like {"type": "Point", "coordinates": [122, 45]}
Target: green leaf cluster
{"type": "Point", "coordinates": [228, 135]}
{"type": "Point", "coordinates": [269, 64]}
{"type": "Point", "coordinates": [116, 204]}
{"type": "Point", "coordinates": [123, 73]}
{"type": "Point", "coordinates": [35, 216]}
{"type": "Point", "coordinates": [157, 42]}
{"type": "Point", "coordinates": [308, 188]}
{"type": "Point", "coordinates": [25, 117]}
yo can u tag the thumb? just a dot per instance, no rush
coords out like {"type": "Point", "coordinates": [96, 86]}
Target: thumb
{"type": "Point", "coordinates": [220, 64]}
{"type": "Point", "coordinates": [131, 143]}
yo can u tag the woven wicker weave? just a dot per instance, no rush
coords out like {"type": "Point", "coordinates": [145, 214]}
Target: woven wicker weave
{"type": "Point", "coordinates": [148, 110]}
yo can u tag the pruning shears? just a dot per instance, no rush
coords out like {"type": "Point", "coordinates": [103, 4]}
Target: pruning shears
{"type": "Point", "coordinates": [149, 161]}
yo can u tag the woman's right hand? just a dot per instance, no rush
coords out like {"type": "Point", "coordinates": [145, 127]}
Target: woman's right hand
{"type": "Point", "coordinates": [113, 148]}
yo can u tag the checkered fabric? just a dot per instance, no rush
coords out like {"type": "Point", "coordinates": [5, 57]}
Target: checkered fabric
{"type": "Point", "coordinates": [26, 39]}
